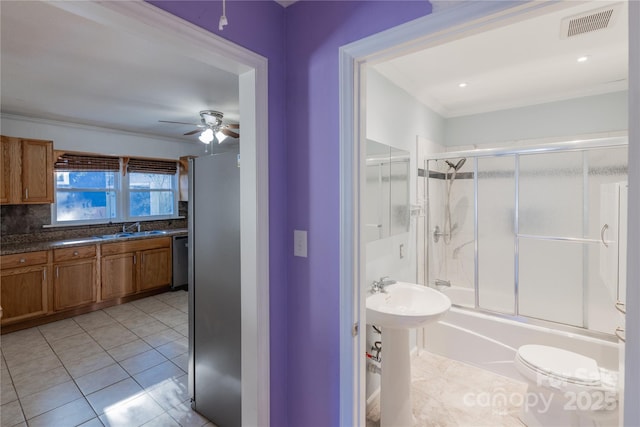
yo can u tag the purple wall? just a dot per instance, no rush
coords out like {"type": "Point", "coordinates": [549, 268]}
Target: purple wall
{"type": "Point", "coordinates": [301, 43]}
{"type": "Point", "coordinates": [315, 31]}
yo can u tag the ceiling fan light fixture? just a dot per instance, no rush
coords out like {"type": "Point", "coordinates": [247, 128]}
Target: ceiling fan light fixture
{"type": "Point", "coordinates": [220, 137]}
{"type": "Point", "coordinates": [206, 136]}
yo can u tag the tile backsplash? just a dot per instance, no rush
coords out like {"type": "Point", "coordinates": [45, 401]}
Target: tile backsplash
{"type": "Point", "coordinates": [24, 224]}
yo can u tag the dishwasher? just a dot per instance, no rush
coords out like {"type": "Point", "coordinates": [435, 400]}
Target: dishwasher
{"type": "Point", "coordinates": [180, 263]}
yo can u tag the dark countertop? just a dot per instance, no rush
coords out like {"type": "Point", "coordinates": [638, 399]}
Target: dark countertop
{"type": "Point", "coordinates": [17, 248]}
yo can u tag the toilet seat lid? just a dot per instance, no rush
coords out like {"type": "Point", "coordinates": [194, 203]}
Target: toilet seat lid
{"type": "Point", "coordinates": [562, 364]}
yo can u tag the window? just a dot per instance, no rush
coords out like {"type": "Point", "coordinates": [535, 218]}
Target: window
{"type": "Point", "coordinates": [93, 189]}
{"type": "Point", "coordinates": [151, 188]}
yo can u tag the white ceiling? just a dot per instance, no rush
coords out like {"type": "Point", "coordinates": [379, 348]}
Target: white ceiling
{"type": "Point", "coordinates": [61, 66]}
{"type": "Point", "coordinates": [521, 64]}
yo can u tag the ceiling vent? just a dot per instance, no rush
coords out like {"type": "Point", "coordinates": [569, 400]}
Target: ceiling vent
{"type": "Point", "coordinates": [587, 22]}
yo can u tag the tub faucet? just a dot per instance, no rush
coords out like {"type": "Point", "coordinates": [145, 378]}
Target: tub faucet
{"type": "Point", "coordinates": [440, 283]}
{"type": "Point", "coordinates": [378, 285]}
{"type": "Point", "coordinates": [126, 227]}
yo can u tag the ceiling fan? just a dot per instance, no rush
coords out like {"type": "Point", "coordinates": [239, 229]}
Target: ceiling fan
{"type": "Point", "coordinates": [210, 127]}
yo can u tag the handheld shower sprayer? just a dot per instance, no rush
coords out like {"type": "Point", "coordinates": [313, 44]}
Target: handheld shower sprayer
{"type": "Point", "coordinates": [448, 227]}
{"type": "Point", "coordinates": [458, 165]}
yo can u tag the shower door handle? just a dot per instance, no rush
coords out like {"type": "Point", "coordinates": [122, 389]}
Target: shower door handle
{"type": "Point", "coordinates": [602, 230]}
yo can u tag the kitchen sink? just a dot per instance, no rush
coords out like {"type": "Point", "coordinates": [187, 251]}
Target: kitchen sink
{"type": "Point", "coordinates": [151, 233]}
{"type": "Point", "coordinates": [115, 235]}
{"type": "Point", "coordinates": [136, 234]}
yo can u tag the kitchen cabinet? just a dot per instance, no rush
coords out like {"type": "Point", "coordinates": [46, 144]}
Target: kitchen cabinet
{"type": "Point", "coordinates": [24, 286]}
{"type": "Point", "coordinates": [155, 268]}
{"type": "Point", "coordinates": [5, 179]}
{"type": "Point", "coordinates": [42, 286]}
{"type": "Point", "coordinates": [27, 171]}
{"type": "Point", "coordinates": [118, 275]}
{"type": "Point", "coordinates": [134, 266]}
{"type": "Point", "coordinates": [74, 281]}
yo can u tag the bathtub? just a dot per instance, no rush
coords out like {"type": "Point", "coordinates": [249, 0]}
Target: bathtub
{"type": "Point", "coordinates": [490, 341]}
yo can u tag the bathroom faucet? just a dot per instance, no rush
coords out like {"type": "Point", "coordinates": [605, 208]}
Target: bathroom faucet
{"type": "Point", "coordinates": [125, 227]}
{"type": "Point", "coordinates": [378, 285]}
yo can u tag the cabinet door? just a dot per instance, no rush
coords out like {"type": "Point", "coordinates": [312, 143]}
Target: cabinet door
{"type": "Point", "coordinates": [118, 275]}
{"type": "Point", "coordinates": [37, 171]}
{"type": "Point", "coordinates": [74, 284]}
{"type": "Point", "coordinates": [23, 293]}
{"type": "Point", "coordinates": [155, 268]}
{"type": "Point", "coordinates": [5, 164]}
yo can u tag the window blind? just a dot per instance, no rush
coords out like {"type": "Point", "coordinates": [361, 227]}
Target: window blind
{"type": "Point", "coordinates": [83, 162]}
{"type": "Point", "coordinates": [165, 167]}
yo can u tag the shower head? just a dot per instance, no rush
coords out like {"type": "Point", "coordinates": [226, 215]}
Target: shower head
{"type": "Point", "coordinates": [458, 165]}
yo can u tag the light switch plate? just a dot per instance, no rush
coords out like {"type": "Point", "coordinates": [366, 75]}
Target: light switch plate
{"type": "Point", "coordinates": [300, 243]}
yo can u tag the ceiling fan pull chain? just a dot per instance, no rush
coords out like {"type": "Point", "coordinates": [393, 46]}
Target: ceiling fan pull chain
{"type": "Point", "coordinates": [223, 18]}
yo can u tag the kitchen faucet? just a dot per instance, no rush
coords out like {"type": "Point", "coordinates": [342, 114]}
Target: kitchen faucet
{"type": "Point", "coordinates": [378, 285]}
{"type": "Point", "coordinates": [125, 227]}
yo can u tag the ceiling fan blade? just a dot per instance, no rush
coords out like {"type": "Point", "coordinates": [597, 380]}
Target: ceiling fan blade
{"type": "Point", "coordinates": [230, 133]}
{"type": "Point", "coordinates": [180, 123]}
{"type": "Point", "coordinates": [192, 132]}
{"type": "Point", "coordinates": [233, 125]}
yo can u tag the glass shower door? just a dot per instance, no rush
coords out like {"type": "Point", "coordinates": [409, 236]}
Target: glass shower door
{"type": "Point", "coordinates": [496, 234]}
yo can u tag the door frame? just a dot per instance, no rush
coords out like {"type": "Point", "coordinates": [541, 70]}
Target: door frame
{"type": "Point", "coordinates": [460, 20]}
{"type": "Point", "coordinates": [158, 26]}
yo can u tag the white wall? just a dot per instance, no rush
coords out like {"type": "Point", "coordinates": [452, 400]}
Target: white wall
{"type": "Point", "coordinates": [396, 119]}
{"type": "Point", "coordinates": [588, 115]}
{"type": "Point", "coordinates": [73, 137]}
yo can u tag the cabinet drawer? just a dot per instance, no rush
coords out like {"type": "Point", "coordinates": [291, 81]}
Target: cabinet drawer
{"type": "Point", "coordinates": [135, 245]}
{"type": "Point", "coordinates": [24, 260]}
{"type": "Point", "coordinates": [69, 254]}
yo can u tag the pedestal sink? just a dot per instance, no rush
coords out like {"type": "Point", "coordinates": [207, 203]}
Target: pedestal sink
{"type": "Point", "coordinates": [399, 308]}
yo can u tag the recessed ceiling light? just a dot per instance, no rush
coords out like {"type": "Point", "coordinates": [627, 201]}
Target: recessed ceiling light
{"type": "Point", "coordinates": [463, 84]}
{"type": "Point", "coordinates": [584, 58]}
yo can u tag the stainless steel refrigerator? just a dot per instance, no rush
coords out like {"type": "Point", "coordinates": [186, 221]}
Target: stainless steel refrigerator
{"type": "Point", "coordinates": [214, 288]}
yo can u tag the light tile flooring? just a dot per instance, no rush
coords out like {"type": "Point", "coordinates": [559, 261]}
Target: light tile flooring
{"type": "Point", "coordinates": [126, 366]}
{"type": "Point", "coordinates": [449, 393]}
{"type": "Point", "coordinates": [122, 366]}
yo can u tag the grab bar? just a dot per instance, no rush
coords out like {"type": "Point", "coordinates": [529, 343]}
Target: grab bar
{"type": "Point", "coordinates": [621, 307]}
{"type": "Point", "coordinates": [619, 331]}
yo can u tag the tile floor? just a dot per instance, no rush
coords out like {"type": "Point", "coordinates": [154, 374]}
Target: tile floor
{"type": "Point", "coordinates": [449, 393]}
{"type": "Point", "coordinates": [122, 366]}
{"type": "Point", "coordinates": [126, 366]}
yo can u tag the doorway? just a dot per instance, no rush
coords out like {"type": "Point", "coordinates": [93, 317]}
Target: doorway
{"type": "Point", "coordinates": [159, 27]}
{"type": "Point", "coordinates": [450, 24]}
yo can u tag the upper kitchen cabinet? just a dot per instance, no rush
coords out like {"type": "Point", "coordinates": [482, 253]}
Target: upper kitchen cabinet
{"type": "Point", "coordinates": [27, 171]}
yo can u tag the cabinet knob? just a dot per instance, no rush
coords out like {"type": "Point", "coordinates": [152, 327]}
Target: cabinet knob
{"type": "Point", "coordinates": [75, 253]}
{"type": "Point", "coordinates": [22, 260]}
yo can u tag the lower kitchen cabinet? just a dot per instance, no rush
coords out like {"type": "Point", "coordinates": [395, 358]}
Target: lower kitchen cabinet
{"type": "Point", "coordinates": [118, 275]}
{"type": "Point", "coordinates": [75, 275]}
{"type": "Point", "coordinates": [24, 290]}
{"type": "Point", "coordinates": [57, 283]}
{"type": "Point", "coordinates": [135, 266]}
{"type": "Point", "coordinates": [74, 284]}
{"type": "Point", "coordinates": [155, 268]}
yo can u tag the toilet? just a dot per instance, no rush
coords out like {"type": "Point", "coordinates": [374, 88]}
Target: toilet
{"type": "Point", "coordinates": [566, 389]}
